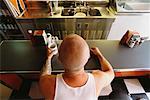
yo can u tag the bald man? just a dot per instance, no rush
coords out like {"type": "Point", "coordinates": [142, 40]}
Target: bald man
{"type": "Point", "coordinates": [75, 83]}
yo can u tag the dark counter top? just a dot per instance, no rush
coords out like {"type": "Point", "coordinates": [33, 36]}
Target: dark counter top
{"type": "Point", "coordinates": [20, 56]}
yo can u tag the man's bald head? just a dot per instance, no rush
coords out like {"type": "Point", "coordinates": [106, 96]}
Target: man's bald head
{"type": "Point", "coordinates": [73, 53]}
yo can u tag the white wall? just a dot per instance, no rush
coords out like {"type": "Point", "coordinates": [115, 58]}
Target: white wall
{"type": "Point", "coordinates": [138, 22]}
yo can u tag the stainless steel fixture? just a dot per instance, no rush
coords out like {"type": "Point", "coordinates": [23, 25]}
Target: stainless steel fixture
{"type": "Point", "coordinates": [140, 6]}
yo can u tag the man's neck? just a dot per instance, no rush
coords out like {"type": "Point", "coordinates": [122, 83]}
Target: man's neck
{"type": "Point", "coordinates": [76, 79]}
{"type": "Point", "coordinates": [76, 73]}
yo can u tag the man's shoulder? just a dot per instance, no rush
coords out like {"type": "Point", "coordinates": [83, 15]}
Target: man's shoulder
{"type": "Point", "coordinates": [47, 85]}
{"type": "Point", "coordinates": [48, 78]}
{"type": "Point", "coordinates": [47, 81]}
{"type": "Point", "coordinates": [100, 76]}
{"type": "Point", "coordinates": [98, 73]}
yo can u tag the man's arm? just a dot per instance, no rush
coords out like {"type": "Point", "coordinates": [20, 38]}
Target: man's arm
{"type": "Point", "coordinates": [46, 70]}
{"type": "Point", "coordinates": [106, 68]}
{"type": "Point", "coordinates": [106, 75]}
{"type": "Point", "coordinates": [47, 81]}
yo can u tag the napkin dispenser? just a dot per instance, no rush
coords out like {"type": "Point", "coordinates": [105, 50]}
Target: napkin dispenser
{"type": "Point", "coordinates": [132, 39]}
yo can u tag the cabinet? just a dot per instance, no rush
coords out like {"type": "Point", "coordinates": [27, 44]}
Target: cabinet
{"type": "Point", "coordinates": [88, 28]}
{"type": "Point", "coordinates": [53, 26]}
{"type": "Point", "coordinates": [25, 25]}
{"type": "Point", "coordinates": [92, 29]}
{"type": "Point", "coordinates": [57, 26]}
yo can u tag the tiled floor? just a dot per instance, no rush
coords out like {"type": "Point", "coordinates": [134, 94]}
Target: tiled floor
{"type": "Point", "coordinates": [137, 88]}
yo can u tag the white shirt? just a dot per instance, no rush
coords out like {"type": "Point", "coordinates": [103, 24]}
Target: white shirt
{"type": "Point", "coordinates": [66, 92]}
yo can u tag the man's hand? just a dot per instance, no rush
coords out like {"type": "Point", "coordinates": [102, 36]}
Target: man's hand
{"type": "Point", "coordinates": [50, 53]}
{"type": "Point", "coordinates": [96, 52]}
{"type": "Point", "coordinates": [46, 70]}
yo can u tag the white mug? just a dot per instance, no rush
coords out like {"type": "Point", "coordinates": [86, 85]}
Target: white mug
{"type": "Point", "coordinates": [54, 39]}
{"type": "Point", "coordinates": [53, 47]}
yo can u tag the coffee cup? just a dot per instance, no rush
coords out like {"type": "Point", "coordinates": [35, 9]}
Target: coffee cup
{"type": "Point", "coordinates": [53, 47]}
